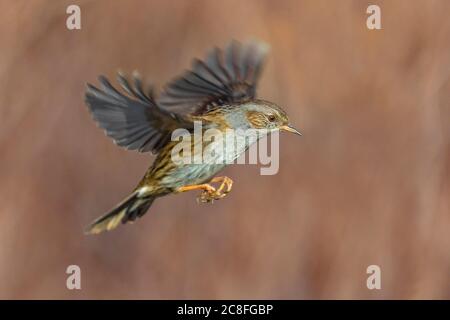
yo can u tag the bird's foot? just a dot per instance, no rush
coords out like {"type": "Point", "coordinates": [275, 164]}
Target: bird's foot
{"type": "Point", "coordinates": [209, 195]}
{"type": "Point", "coordinates": [225, 186]}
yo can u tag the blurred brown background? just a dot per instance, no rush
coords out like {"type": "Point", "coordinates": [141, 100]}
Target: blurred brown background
{"type": "Point", "coordinates": [368, 183]}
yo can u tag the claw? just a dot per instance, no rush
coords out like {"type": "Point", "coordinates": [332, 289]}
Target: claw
{"type": "Point", "coordinates": [209, 193]}
{"type": "Point", "coordinates": [208, 196]}
{"type": "Point", "coordinates": [226, 184]}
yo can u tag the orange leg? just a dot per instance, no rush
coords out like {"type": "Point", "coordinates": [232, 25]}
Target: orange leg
{"type": "Point", "coordinates": [205, 196]}
{"type": "Point", "coordinates": [210, 193]}
{"type": "Point", "coordinates": [205, 187]}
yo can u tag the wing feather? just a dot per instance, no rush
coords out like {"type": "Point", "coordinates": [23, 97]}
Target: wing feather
{"type": "Point", "coordinates": [223, 77]}
{"type": "Point", "coordinates": [134, 122]}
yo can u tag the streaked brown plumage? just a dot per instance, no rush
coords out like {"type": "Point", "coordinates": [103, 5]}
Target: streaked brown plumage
{"type": "Point", "coordinates": [219, 92]}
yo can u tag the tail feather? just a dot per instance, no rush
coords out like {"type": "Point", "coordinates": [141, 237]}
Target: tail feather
{"type": "Point", "coordinates": [134, 206]}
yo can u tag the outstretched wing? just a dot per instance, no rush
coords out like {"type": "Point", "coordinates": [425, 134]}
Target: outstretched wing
{"type": "Point", "coordinates": [135, 122]}
{"type": "Point", "coordinates": [224, 77]}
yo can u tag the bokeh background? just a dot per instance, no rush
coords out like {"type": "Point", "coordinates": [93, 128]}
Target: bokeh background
{"type": "Point", "coordinates": [368, 183]}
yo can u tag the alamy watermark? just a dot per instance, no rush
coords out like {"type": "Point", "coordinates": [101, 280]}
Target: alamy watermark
{"type": "Point", "coordinates": [73, 281]}
{"type": "Point", "coordinates": [373, 21]}
{"type": "Point", "coordinates": [73, 21]}
{"type": "Point", "coordinates": [374, 278]}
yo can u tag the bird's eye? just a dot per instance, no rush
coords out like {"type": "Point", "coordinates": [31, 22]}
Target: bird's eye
{"type": "Point", "coordinates": [271, 118]}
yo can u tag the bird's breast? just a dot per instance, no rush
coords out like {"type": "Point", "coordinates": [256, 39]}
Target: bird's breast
{"type": "Point", "coordinates": [206, 156]}
{"type": "Point", "coordinates": [226, 146]}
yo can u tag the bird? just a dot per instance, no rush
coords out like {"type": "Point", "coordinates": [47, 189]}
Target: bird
{"type": "Point", "coordinates": [219, 92]}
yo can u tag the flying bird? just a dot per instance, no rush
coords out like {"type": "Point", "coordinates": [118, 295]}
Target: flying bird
{"type": "Point", "coordinates": [219, 92]}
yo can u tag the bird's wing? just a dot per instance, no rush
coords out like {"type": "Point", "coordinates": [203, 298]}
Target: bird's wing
{"type": "Point", "coordinates": [135, 122]}
{"type": "Point", "coordinates": [223, 77]}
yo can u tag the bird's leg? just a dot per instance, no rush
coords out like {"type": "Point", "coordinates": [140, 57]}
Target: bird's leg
{"type": "Point", "coordinates": [210, 193]}
{"type": "Point", "coordinates": [205, 187]}
{"type": "Point", "coordinates": [205, 196]}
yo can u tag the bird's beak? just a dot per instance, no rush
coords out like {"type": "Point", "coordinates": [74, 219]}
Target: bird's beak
{"type": "Point", "coordinates": [290, 129]}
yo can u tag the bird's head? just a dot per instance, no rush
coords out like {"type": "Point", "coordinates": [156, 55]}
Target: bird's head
{"type": "Point", "coordinates": [261, 114]}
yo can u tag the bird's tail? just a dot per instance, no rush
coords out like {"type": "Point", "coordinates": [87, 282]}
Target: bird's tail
{"type": "Point", "coordinates": [134, 206]}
